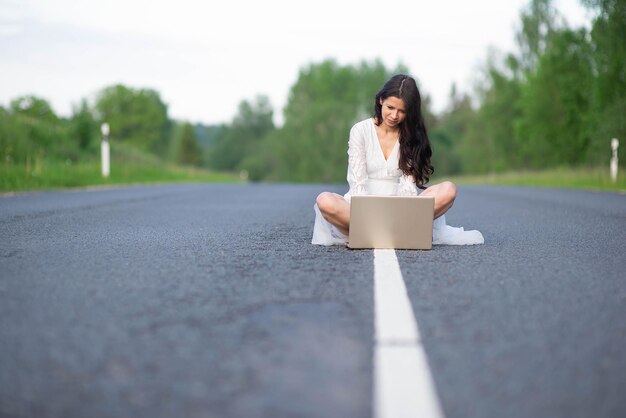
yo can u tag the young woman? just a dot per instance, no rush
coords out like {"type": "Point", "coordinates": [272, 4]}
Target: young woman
{"type": "Point", "coordinates": [389, 154]}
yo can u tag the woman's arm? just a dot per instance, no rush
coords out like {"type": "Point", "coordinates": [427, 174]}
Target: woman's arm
{"type": "Point", "coordinates": [407, 186]}
{"type": "Point", "coordinates": [357, 166]}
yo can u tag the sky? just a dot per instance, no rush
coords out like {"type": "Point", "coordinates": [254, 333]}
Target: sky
{"type": "Point", "coordinates": [205, 57]}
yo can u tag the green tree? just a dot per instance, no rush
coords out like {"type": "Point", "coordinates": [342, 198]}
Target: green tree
{"type": "Point", "coordinates": [241, 138]}
{"type": "Point", "coordinates": [608, 35]}
{"type": "Point", "coordinates": [538, 21]}
{"type": "Point", "coordinates": [488, 143]}
{"type": "Point", "coordinates": [138, 117]}
{"type": "Point", "coordinates": [14, 142]}
{"type": "Point", "coordinates": [521, 95]}
{"type": "Point", "coordinates": [83, 125]}
{"type": "Point", "coordinates": [189, 151]}
{"type": "Point", "coordinates": [33, 108]}
{"type": "Point", "coordinates": [608, 43]}
{"type": "Point", "coordinates": [450, 128]}
{"type": "Point", "coordinates": [555, 103]}
{"type": "Point", "coordinates": [39, 130]}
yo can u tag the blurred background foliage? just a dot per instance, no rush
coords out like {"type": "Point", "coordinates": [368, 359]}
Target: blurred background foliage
{"type": "Point", "coordinates": [555, 102]}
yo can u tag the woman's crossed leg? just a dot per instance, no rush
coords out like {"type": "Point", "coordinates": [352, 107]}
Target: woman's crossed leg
{"type": "Point", "coordinates": [336, 209]}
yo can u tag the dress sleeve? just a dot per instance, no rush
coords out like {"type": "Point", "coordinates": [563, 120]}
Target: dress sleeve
{"type": "Point", "coordinates": [407, 187]}
{"type": "Point", "coordinates": [357, 171]}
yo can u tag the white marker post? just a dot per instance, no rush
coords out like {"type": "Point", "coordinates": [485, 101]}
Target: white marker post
{"type": "Point", "coordinates": [613, 164]}
{"type": "Point", "coordinates": [105, 150]}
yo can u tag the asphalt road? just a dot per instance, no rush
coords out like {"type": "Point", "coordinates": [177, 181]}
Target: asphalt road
{"type": "Point", "coordinates": [210, 301]}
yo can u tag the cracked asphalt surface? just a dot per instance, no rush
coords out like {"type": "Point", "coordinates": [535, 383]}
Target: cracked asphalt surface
{"type": "Point", "coordinates": [210, 301]}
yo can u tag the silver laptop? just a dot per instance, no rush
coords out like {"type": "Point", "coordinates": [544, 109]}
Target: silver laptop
{"type": "Point", "coordinates": [402, 222]}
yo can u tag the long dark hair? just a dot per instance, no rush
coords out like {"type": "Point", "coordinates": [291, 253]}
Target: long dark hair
{"type": "Point", "coordinates": [415, 150]}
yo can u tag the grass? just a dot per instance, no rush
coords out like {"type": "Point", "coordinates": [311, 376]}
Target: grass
{"type": "Point", "coordinates": [572, 178]}
{"type": "Point", "coordinates": [58, 175]}
{"type": "Point", "coordinates": [134, 167]}
{"type": "Point", "coordinates": [129, 165]}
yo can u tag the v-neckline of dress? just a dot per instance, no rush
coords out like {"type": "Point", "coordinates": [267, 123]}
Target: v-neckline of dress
{"type": "Point", "coordinates": [380, 147]}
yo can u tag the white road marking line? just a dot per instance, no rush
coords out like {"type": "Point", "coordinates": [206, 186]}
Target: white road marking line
{"type": "Point", "coordinates": [403, 384]}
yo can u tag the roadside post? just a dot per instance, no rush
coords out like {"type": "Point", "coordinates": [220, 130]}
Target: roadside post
{"type": "Point", "coordinates": [105, 150]}
{"type": "Point", "coordinates": [613, 164]}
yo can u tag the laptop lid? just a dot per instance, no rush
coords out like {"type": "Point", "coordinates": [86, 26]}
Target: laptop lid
{"type": "Point", "coordinates": [401, 222]}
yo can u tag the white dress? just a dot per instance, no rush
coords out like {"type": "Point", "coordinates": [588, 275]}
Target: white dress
{"type": "Point", "coordinates": [370, 173]}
